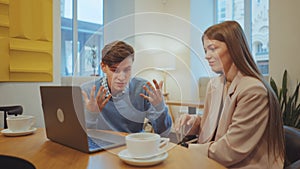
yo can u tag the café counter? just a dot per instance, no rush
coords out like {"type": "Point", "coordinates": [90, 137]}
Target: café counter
{"type": "Point", "coordinates": [45, 154]}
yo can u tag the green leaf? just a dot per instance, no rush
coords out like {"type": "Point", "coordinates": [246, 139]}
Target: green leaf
{"type": "Point", "coordinates": [290, 106]}
{"type": "Point", "coordinates": [296, 92]}
{"type": "Point", "coordinates": [284, 87]}
{"type": "Point", "coordinates": [274, 86]}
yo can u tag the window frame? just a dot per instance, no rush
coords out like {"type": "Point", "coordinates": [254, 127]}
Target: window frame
{"type": "Point", "coordinates": [77, 26]}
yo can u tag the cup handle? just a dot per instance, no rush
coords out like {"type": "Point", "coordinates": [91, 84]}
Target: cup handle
{"type": "Point", "coordinates": [164, 142]}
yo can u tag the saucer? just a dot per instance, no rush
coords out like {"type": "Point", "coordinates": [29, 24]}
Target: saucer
{"type": "Point", "coordinates": [153, 160]}
{"type": "Point", "coordinates": [7, 132]}
{"type": "Point", "coordinates": [125, 154]}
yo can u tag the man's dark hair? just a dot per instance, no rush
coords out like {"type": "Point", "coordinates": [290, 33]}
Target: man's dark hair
{"type": "Point", "coordinates": [115, 52]}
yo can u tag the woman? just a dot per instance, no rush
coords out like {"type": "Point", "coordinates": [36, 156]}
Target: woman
{"type": "Point", "coordinates": [241, 126]}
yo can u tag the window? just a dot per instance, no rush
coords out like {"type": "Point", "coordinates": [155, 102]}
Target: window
{"type": "Point", "coordinates": [82, 23]}
{"type": "Point", "coordinates": [254, 18]}
{"type": "Point", "coordinates": [263, 65]}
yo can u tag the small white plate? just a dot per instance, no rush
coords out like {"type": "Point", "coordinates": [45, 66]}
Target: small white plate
{"type": "Point", "coordinates": [123, 155]}
{"type": "Point", "coordinates": [7, 132]}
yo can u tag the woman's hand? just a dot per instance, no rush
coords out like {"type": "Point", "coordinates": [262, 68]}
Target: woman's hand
{"type": "Point", "coordinates": [185, 120]}
{"type": "Point", "coordinates": [155, 95]}
{"type": "Point", "coordinates": [95, 104]}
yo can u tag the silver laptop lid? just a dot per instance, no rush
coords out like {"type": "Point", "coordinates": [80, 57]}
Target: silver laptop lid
{"type": "Point", "coordinates": [64, 119]}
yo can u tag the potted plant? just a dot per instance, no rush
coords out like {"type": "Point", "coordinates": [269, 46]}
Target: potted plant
{"type": "Point", "coordinates": [93, 59]}
{"type": "Point", "coordinates": [290, 106]}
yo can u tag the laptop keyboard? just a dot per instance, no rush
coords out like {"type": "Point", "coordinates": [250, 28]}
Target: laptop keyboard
{"type": "Point", "coordinates": [96, 143]}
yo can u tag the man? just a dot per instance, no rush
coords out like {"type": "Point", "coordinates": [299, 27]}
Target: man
{"type": "Point", "coordinates": [121, 103]}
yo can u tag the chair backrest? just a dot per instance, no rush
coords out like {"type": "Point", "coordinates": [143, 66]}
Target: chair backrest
{"type": "Point", "coordinates": [292, 144]}
{"type": "Point", "coordinates": [11, 162]}
{"type": "Point", "coordinates": [11, 110]}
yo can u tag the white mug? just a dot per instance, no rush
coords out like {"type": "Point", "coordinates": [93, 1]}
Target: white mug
{"type": "Point", "coordinates": [143, 145]}
{"type": "Point", "coordinates": [20, 123]}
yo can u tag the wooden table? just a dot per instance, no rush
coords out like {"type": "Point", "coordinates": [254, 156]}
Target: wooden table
{"type": "Point", "coordinates": [45, 154]}
{"type": "Point", "coordinates": [192, 105]}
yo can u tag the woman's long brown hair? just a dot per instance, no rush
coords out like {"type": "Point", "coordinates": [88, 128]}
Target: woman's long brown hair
{"type": "Point", "coordinates": [231, 33]}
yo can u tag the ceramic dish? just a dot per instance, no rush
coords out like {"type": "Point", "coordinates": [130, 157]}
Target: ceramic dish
{"type": "Point", "coordinates": [7, 132]}
{"type": "Point", "coordinates": [154, 160]}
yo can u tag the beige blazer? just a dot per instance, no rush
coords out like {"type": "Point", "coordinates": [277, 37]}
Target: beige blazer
{"type": "Point", "coordinates": [240, 141]}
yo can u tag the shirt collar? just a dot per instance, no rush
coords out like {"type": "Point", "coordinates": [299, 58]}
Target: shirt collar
{"type": "Point", "coordinates": [105, 85]}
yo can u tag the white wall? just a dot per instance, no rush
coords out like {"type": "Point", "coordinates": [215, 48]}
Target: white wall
{"type": "Point", "coordinates": [162, 30]}
{"type": "Point", "coordinates": [28, 94]}
{"type": "Point", "coordinates": [285, 40]}
{"type": "Point", "coordinates": [202, 16]}
{"type": "Point", "coordinates": [118, 19]}
{"type": "Point", "coordinates": [161, 27]}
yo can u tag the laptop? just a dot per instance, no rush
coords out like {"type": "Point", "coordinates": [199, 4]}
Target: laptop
{"type": "Point", "coordinates": [65, 121]}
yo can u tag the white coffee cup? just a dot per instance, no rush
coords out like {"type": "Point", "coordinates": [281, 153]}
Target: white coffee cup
{"type": "Point", "coordinates": [143, 145]}
{"type": "Point", "coordinates": [20, 123]}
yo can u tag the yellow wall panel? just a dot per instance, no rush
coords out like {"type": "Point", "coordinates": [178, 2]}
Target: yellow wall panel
{"type": "Point", "coordinates": [3, 9]}
{"type": "Point", "coordinates": [4, 54]}
{"type": "Point", "coordinates": [26, 40]}
{"type": "Point", "coordinates": [4, 1]}
{"type": "Point", "coordinates": [32, 18]}
{"type": "Point", "coordinates": [4, 15]}
{"type": "Point", "coordinates": [4, 42]}
{"type": "Point", "coordinates": [4, 22]}
{"type": "Point", "coordinates": [30, 77]}
{"type": "Point", "coordinates": [34, 62]}
{"type": "Point", "coordinates": [42, 13]}
{"type": "Point", "coordinates": [3, 32]}
{"type": "Point", "coordinates": [20, 13]}
{"type": "Point", "coordinates": [30, 45]}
